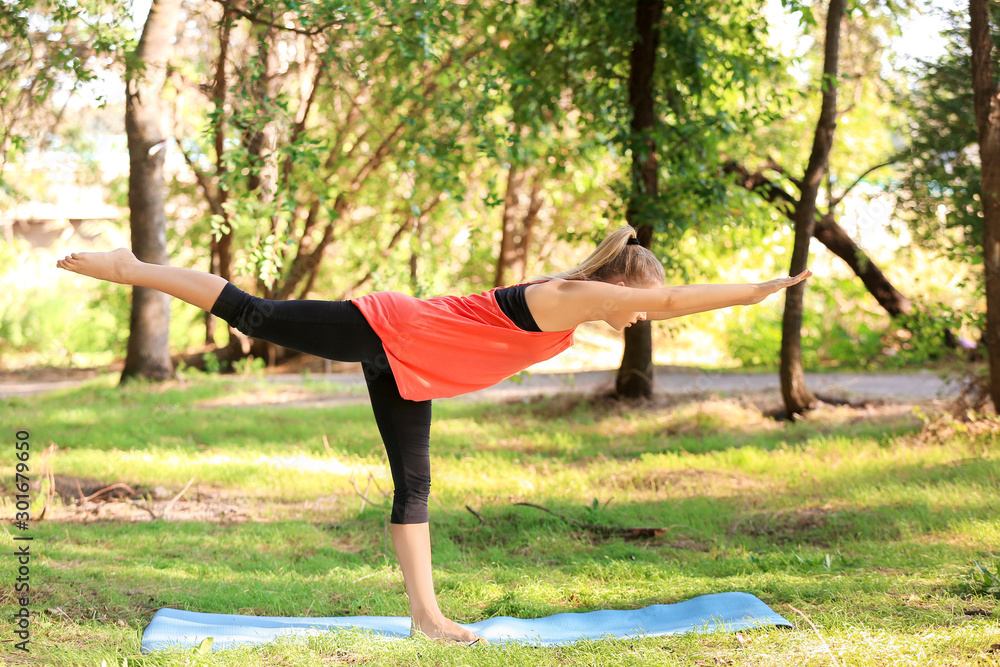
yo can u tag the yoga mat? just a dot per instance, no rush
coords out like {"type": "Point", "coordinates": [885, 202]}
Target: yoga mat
{"type": "Point", "coordinates": [708, 613]}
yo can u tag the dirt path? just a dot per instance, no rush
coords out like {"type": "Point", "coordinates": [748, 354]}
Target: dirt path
{"type": "Point", "coordinates": [670, 381]}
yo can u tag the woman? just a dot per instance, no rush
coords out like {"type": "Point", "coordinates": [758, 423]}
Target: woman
{"type": "Point", "coordinates": [415, 350]}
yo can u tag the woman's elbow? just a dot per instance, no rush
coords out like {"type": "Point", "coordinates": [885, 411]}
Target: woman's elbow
{"type": "Point", "coordinates": [667, 300]}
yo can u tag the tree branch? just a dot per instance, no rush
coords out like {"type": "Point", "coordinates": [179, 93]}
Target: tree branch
{"type": "Point", "coordinates": [211, 194]}
{"type": "Point", "coordinates": [893, 160]}
{"type": "Point", "coordinates": [396, 238]}
{"type": "Point", "coordinates": [258, 20]}
{"type": "Point", "coordinates": [759, 183]}
{"type": "Point", "coordinates": [832, 235]}
{"type": "Point", "coordinates": [632, 533]}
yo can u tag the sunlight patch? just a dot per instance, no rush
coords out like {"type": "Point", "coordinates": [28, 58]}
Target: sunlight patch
{"type": "Point", "coordinates": [299, 462]}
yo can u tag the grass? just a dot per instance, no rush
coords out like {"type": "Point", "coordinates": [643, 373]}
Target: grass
{"type": "Point", "coordinates": [854, 526]}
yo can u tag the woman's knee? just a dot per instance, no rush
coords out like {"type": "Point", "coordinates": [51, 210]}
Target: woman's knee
{"type": "Point", "coordinates": [244, 312]}
{"type": "Point", "coordinates": [410, 506]}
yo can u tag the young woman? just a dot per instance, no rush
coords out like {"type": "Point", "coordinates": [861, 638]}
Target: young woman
{"type": "Point", "coordinates": [414, 350]}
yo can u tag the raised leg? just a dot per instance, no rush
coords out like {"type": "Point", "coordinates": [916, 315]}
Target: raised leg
{"type": "Point", "coordinates": [121, 266]}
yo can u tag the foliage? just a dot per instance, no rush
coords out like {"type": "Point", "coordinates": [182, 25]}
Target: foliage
{"type": "Point", "coordinates": [51, 48]}
{"type": "Point", "coordinates": [73, 326]}
{"type": "Point", "coordinates": [212, 363]}
{"type": "Point", "coordinates": [980, 581]}
{"type": "Point", "coordinates": [840, 329]}
{"type": "Point", "coordinates": [370, 131]}
{"type": "Point", "coordinates": [844, 328]}
{"type": "Point", "coordinates": [707, 85]}
{"type": "Point", "coordinates": [48, 327]}
{"type": "Point", "coordinates": [870, 115]}
{"type": "Point", "coordinates": [419, 112]}
{"type": "Point", "coordinates": [941, 183]}
{"type": "Point", "coordinates": [923, 334]}
{"type": "Point", "coordinates": [392, 128]}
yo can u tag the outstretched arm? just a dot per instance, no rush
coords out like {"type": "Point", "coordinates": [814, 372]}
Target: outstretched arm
{"type": "Point", "coordinates": [558, 304]}
{"type": "Point", "coordinates": [690, 299]}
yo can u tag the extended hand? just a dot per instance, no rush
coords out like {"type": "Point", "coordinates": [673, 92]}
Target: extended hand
{"type": "Point", "coordinates": [764, 290]}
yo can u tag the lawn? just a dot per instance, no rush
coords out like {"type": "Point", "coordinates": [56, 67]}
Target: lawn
{"type": "Point", "coordinates": [859, 525]}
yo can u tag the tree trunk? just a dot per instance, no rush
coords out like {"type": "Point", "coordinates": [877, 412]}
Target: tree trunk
{"type": "Point", "coordinates": [987, 102]}
{"type": "Point", "coordinates": [260, 140]}
{"type": "Point", "coordinates": [508, 227]}
{"type": "Point", "coordinates": [149, 326]}
{"type": "Point", "coordinates": [516, 232]}
{"type": "Point", "coordinates": [519, 266]}
{"type": "Point", "coordinates": [796, 395]}
{"type": "Point", "coordinates": [221, 246]}
{"type": "Point", "coordinates": [635, 375]}
{"type": "Point", "coordinates": [416, 239]}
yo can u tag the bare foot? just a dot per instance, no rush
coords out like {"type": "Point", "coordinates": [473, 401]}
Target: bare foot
{"type": "Point", "coordinates": [443, 628]}
{"type": "Point", "coordinates": [112, 266]}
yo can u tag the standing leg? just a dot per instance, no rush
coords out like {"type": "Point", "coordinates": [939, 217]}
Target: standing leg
{"type": "Point", "coordinates": [412, 542]}
{"type": "Point", "coordinates": [405, 429]}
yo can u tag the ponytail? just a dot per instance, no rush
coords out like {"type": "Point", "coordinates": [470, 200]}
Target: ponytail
{"type": "Point", "coordinates": [618, 258]}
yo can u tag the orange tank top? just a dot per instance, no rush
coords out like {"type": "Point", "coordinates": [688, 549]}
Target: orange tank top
{"type": "Point", "coordinates": [451, 345]}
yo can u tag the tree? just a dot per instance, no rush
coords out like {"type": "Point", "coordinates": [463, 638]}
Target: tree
{"type": "Point", "coordinates": [401, 117]}
{"type": "Point", "coordinates": [635, 376]}
{"type": "Point", "coordinates": [794, 392]}
{"type": "Point", "coordinates": [987, 109]}
{"type": "Point", "coordinates": [516, 231]}
{"type": "Point", "coordinates": [149, 327]}
{"type": "Point", "coordinates": [763, 162]}
{"type": "Point", "coordinates": [221, 243]}
{"type": "Point", "coordinates": [326, 133]}
{"type": "Point", "coordinates": [942, 183]}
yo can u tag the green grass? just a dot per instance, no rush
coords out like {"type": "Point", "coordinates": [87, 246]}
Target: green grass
{"type": "Point", "coordinates": [851, 525]}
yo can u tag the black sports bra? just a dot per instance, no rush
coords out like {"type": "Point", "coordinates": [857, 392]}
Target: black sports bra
{"type": "Point", "coordinates": [513, 304]}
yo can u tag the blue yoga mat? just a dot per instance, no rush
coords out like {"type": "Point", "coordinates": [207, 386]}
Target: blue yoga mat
{"type": "Point", "coordinates": [708, 613]}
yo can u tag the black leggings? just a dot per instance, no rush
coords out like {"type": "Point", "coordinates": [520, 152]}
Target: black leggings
{"type": "Point", "coordinates": [337, 330]}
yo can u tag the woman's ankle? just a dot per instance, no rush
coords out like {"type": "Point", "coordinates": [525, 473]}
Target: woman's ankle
{"type": "Point", "coordinates": [428, 615]}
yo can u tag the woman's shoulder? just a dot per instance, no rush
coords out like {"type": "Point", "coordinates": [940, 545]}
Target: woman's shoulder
{"type": "Point", "coordinates": [555, 304]}
{"type": "Point", "coordinates": [546, 283]}
{"type": "Point", "coordinates": [563, 286]}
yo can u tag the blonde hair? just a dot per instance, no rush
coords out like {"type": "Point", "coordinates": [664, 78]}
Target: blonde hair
{"type": "Point", "coordinates": [616, 259]}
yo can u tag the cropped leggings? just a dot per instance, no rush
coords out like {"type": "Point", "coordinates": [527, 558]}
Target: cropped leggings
{"type": "Point", "coordinates": [337, 330]}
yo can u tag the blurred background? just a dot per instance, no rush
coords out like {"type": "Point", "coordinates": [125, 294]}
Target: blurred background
{"type": "Point", "coordinates": [328, 150]}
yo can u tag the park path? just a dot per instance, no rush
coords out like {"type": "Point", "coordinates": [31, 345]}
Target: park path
{"type": "Point", "coordinates": [673, 381]}
{"type": "Point", "coordinates": [670, 381]}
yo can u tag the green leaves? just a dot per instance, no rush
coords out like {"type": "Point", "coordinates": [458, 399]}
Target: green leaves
{"type": "Point", "coordinates": [942, 179]}
{"type": "Point", "coordinates": [981, 581]}
{"type": "Point", "coordinates": [48, 48]}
